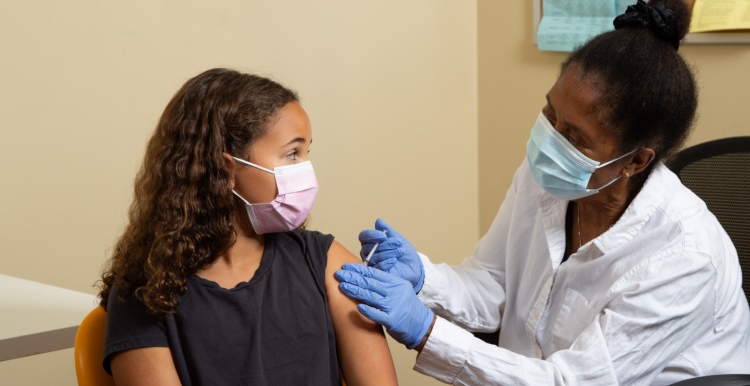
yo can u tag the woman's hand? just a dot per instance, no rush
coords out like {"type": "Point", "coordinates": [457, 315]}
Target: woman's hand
{"type": "Point", "coordinates": [389, 301]}
{"type": "Point", "coordinates": [394, 255]}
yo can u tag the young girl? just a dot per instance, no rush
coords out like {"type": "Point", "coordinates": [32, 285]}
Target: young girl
{"type": "Point", "coordinates": [214, 281]}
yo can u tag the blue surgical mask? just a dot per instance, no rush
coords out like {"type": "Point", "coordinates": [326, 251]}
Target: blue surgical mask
{"type": "Point", "coordinates": [557, 166]}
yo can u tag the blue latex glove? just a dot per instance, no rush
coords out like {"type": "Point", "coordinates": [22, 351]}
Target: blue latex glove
{"type": "Point", "coordinates": [394, 254]}
{"type": "Point", "coordinates": [389, 301]}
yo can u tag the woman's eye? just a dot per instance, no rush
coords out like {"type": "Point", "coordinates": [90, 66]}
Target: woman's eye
{"type": "Point", "coordinates": [549, 117]}
{"type": "Point", "coordinates": [579, 144]}
{"type": "Point", "coordinates": [292, 155]}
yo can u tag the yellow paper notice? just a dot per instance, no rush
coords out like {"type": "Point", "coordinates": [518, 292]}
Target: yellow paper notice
{"type": "Point", "coordinates": [719, 15]}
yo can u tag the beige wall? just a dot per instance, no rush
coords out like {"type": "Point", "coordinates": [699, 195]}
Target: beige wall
{"type": "Point", "coordinates": [390, 87]}
{"type": "Point", "coordinates": [514, 77]}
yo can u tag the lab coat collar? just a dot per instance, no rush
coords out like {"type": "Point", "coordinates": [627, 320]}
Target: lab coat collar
{"type": "Point", "coordinates": [637, 213]}
{"type": "Point", "coordinates": [625, 229]}
{"type": "Point", "coordinates": [553, 218]}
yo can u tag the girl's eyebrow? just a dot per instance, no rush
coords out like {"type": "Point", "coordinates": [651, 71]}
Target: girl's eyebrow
{"type": "Point", "coordinates": [296, 140]}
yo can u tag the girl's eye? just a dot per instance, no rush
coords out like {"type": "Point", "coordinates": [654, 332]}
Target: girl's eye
{"type": "Point", "coordinates": [292, 155]}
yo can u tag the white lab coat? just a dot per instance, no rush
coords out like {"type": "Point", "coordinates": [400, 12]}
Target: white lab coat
{"type": "Point", "coordinates": [654, 300]}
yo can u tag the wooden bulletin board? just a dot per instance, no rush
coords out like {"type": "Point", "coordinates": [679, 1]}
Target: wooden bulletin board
{"type": "Point", "coordinates": [718, 37]}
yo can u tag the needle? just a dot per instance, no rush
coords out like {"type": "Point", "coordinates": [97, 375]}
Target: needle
{"type": "Point", "coordinates": [374, 248]}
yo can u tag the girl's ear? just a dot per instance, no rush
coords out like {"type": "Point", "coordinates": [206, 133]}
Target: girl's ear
{"type": "Point", "coordinates": [232, 166]}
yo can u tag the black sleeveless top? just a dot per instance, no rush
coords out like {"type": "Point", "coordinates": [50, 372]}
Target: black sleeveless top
{"type": "Point", "coordinates": [273, 330]}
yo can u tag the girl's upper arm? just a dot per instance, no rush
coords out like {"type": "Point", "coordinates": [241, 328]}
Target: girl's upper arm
{"type": "Point", "coordinates": [145, 358]}
{"type": "Point", "coordinates": [362, 349]}
{"type": "Point", "coordinates": [144, 367]}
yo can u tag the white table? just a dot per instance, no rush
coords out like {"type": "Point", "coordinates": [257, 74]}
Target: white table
{"type": "Point", "coordinates": [36, 318]}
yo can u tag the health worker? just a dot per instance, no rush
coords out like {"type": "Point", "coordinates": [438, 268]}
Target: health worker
{"type": "Point", "coordinates": [600, 268]}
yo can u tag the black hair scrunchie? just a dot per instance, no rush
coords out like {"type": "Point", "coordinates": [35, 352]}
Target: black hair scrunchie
{"type": "Point", "coordinates": [657, 17]}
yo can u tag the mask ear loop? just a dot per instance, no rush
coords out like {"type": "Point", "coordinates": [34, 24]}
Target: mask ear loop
{"type": "Point", "coordinates": [610, 183]}
{"type": "Point", "coordinates": [253, 165]}
{"type": "Point", "coordinates": [607, 163]}
{"type": "Point", "coordinates": [245, 201]}
{"type": "Point", "coordinates": [616, 159]}
{"type": "Point", "coordinates": [250, 213]}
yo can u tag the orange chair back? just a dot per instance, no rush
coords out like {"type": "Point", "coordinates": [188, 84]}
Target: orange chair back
{"type": "Point", "coordinates": [89, 349]}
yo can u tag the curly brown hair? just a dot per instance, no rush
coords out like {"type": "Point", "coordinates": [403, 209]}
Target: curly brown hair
{"type": "Point", "coordinates": [182, 213]}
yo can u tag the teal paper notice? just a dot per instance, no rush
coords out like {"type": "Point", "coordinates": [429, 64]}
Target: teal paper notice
{"type": "Point", "coordinates": [559, 33]}
{"type": "Point", "coordinates": [567, 24]}
{"type": "Point", "coordinates": [622, 5]}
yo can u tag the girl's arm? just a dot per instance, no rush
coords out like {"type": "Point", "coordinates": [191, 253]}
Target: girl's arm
{"type": "Point", "coordinates": [145, 366]}
{"type": "Point", "coordinates": [363, 352]}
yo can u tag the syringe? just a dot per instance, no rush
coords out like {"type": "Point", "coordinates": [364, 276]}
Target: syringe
{"type": "Point", "coordinates": [374, 248]}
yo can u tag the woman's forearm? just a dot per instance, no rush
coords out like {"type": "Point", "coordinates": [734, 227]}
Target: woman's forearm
{"type": "Point", "coordinates": [426, 336]}
{"type": "Point", "coordinates": [466, 295]}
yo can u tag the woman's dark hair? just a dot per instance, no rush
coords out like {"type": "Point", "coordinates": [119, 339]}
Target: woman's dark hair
{"type": "Point", "coordinates": [182, 213]}
{"type": "Point", "coordinates": [647, 88]}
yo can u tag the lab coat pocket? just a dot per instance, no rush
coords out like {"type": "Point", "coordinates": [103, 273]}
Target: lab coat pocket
{"type": "Point", "coordinates": [574, 316]}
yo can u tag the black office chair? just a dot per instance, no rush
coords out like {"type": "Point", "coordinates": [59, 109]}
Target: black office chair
{"type": "Point", "coordinates": [719, 173]}
{"type": "Point", "coordinates": [717, 380]}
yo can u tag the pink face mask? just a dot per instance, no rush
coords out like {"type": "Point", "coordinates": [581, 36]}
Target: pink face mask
{"type": "Point", "coordinates": [297, 190]}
